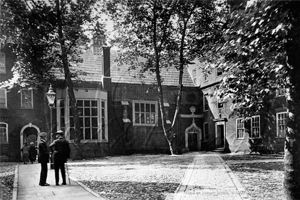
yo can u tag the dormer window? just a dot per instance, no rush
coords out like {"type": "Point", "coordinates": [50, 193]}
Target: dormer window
{"type": "Point", "coordinates": [98, 42]}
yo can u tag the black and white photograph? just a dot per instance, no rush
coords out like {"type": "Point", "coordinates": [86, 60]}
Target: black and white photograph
{"type": "Point", "coordinates": [150, 99]}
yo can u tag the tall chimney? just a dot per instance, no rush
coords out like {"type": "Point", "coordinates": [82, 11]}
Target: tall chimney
{"type": "Point", "coordinates": [106, 84]}
{"type": "Point", "coordinates": [106, 68]}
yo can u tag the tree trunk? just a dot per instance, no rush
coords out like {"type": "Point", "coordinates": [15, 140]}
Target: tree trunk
{"type": "Point", "coordinates": [291, 181]}
{"type": "Point", "coordinates": [160, 90]}
{"type": "Point", "coordinates": [64, 56]}
{"type": "Point", "coordinates": [162, 111]}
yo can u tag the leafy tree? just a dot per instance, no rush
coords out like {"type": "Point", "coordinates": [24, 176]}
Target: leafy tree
{"type": "Point", "coordinates": [163, 33]}
{"type": "Point", "coordinates": [49, 37]}
{"type": "Point", "coordinates": [260, 52]}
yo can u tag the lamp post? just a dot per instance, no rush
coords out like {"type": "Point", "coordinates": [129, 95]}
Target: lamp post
{"type": "Point", "coordinates": [51, 98]}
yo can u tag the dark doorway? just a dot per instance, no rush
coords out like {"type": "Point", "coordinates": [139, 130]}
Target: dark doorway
{"type": "Point", "coordinates": [220, 135]}
{"type": "Point", "coordinates": [192, 141]}
{"type": "Point", "coordinates": [30, 135]}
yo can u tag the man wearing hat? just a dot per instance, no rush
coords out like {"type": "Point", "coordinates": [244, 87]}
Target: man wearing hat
{"type": "Point", "coordinates": [61, 152]}
{"type": "Point", "coordinates": [43, 159]}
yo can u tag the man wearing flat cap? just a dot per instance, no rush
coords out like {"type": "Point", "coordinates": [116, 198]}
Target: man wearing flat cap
{"type": "Point", "coordinates": [61, 152]}
{"type": "Point", "coordinates": [43, 159]}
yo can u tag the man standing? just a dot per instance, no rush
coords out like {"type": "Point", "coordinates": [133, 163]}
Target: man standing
{"type": "Point", "coordinates": [43, 159]}
{"type": "Point", "coordinates": [61, 152]}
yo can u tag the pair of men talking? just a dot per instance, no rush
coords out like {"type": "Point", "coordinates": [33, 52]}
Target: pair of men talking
{"type": "Point", "coordinates": [61, 152]}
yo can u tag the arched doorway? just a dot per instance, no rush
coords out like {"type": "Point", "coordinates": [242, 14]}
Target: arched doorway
{"type": "Point", "coordinates": [193, 137]}
{"type": "Point", "coordinates": [29, 133]}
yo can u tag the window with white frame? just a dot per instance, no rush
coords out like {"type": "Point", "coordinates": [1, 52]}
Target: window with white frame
{"type": "Point", "coordinates": [3, 98]}
{"type": "Point", "coordinates": [2, 63]}
{"type": "Point", "coordinates": [145, 113]}
{"type": "Point", "coordinates": [26, 99]}
{"type": "Point", "coordinates": [249, 125]}
{"type": "Point", "coordinates": [206, 130]}
{"type": "Point", "coordinates": [3, 132]}
{"type": "Point", "coordinates": [240, 128]}
{"type": "Point", "coordinates": [281, 119]}
{"type": "Point", "coordinates": [92, 119]}
{"type": "Point", "coordinates": [255, 127]}
{"type": "Point", "coordinates": [88, 118]}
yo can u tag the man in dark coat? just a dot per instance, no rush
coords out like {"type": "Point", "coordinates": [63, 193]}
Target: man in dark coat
{"type": "Point", "coordinates": [32, 152]}
{"type": "Point", "coordinates": [61, 152]}
{"type": "Point", "coordinates": [43, 159]}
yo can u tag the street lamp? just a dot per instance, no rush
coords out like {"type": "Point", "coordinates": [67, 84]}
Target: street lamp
{"type": "Point", "coordinates": [51, 98]}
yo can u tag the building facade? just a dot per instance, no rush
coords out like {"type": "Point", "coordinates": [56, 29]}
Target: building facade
{"type": "Point", "coordinates": [118, 109]}
{"type": "Point", "coordinates": [119, 112]}
{"type": "Point", "coordinates": [223, 130]}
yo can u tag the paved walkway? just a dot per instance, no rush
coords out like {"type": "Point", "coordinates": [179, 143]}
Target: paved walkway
{"type": "Point", "coordinates": [28, 186]}
{"type": "Point", "coordinates": [207, 178]}
{"type": "Point", "coordinates": [210, 178]}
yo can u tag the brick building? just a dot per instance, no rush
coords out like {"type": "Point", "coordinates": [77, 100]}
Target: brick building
{"type": "Point", "coordinates": [118, 109]}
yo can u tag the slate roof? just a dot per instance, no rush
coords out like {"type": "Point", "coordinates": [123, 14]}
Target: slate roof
{"type": "Point", "coordinates": [170, 76]}
{"type": "Point", "coordinates": [92, 66]}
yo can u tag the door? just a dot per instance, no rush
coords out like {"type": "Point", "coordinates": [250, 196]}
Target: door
{"type": "Point", "coordinates": [192, 141]}
{"type": "Point", "coordinates": [193, 136]}
{"type": "Point", "coordinates": [220, 134]}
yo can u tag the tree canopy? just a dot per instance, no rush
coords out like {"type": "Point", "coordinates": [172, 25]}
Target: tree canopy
{"type": "Point", "coordinates": [165, 34]}
{"type": "Point", "coordinates": [33, 32]}
{"type": "Point", "coordinates": [253, 50]}
{"type": "Point", "coordinates": [49, 37]}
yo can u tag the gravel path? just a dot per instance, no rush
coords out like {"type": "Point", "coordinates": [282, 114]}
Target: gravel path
{"type": "Point", "coordinates": [261, 175]}
{"type": "Point", "coordinates": [157, 176]}
{"type": "Point", "coordinates": [134, 177]}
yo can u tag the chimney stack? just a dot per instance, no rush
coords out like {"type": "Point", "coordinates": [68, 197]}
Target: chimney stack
{"type": "Point", "coordinates": [106, 68]}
